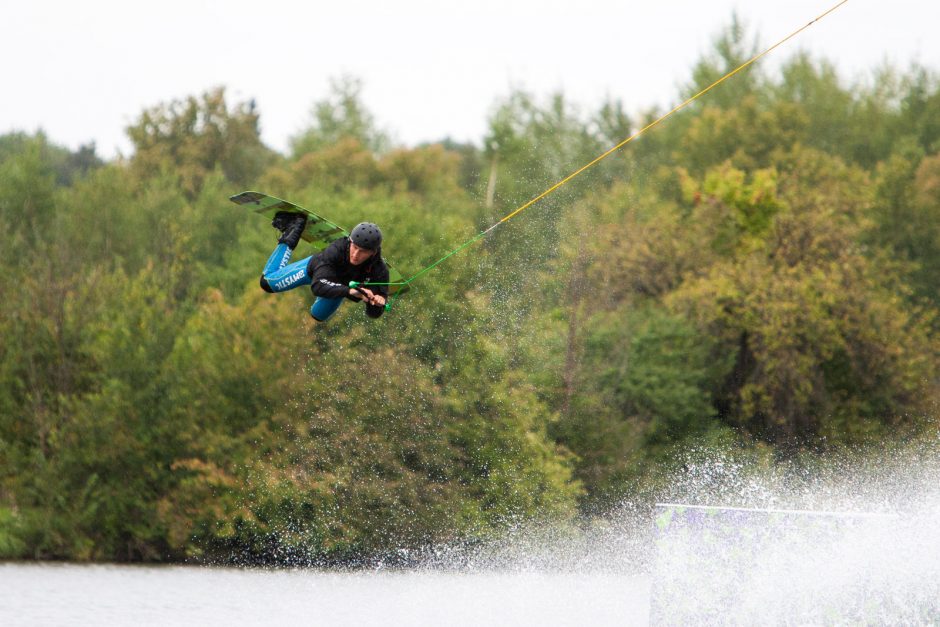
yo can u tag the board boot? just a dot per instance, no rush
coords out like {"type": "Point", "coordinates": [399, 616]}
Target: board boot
{"type": "Point", "coordinates": [291, 225]}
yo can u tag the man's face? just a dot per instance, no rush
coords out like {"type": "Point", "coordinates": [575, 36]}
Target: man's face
{"type": "Point", "coordinates": [359, 255]}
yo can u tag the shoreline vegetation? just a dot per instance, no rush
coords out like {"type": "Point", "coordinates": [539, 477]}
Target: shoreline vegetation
{"type": "Point", "coordinates": [758, 275]}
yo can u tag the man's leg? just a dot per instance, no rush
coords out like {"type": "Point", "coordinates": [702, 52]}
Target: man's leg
{"type": "Point", "coordinates": [324, 308]}
{"type": "Point", "coordinates": [278, 259]}
{"type": "Point", "coordinates": [279, 276]}
{"type": "Point", "coordinates": [276, 270]}
{"type": "Point", "coordinates": [291, 225]}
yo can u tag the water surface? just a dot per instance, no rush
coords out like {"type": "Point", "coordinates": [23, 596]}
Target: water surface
{"type": "Point", "coordinates": [68, 594]}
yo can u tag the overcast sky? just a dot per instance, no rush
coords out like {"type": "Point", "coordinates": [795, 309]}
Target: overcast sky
{"type": "Point", "coordinates": [83, 71]}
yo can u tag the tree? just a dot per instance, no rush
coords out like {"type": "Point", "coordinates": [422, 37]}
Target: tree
{"type": "Point", "coordinates": [194, 136]}
{"type": "Point", "coordinates": [27, 197]}
{"type": "Point", "coordinates": [731, 50]}
{"type": "Point", "coordinates": [68, 166]}
{"type": "Point", "coordinates": [341, 116]}
{"type": "Point", "coordinates": [645, 377]}
{"type": "Point", "coordinates": [920, 108]}
{"type": "Point", "coordinates": [906, 213]}
{"type": "Point", "coordinates": [824, 347]}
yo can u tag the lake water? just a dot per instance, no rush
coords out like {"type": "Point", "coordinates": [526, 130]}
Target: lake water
{"type": "Point", "coordinates": [856, 545]}
{"type": "Point", "coordinates": [68, 594]}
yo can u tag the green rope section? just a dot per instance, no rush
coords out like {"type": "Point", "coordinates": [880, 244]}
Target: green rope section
{"type": "Point", "coordinates": [388, 305]}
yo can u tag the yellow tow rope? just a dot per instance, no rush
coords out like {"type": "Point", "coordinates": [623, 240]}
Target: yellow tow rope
{"type": "Point", "coordinates": [620, 145]}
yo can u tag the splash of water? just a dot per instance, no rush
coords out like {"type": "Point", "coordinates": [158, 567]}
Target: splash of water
{"type": "Point", "coordinates": [844, 541]}
{"type": "Point", "coordinates": [848, 541]}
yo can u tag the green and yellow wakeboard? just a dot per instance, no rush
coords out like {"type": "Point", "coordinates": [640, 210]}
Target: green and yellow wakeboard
{"type": "Point", "coordinates": [319, 232]}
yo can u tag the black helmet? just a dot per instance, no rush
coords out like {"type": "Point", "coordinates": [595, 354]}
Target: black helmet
{"type": "Point", "coordinates": [366, 235]}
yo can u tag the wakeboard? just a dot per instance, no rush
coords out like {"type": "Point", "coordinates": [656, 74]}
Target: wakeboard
{"type": "Point", "coordinates": [319, 232]}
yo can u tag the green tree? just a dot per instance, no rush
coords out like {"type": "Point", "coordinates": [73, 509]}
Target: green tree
{"type": "Point", "coordinates": [823, 346]}
{"type": "Point", "coordinates": [68, 166]}
{"type": "Point", "coordinates": [906, 215]}
{"type": "Point", "coordinates": [192, 137]}
{"type": "Point", "coordinates": [920, 108]}
{"type": "Point", "coordinates": [731, 49]}
{"type": "Point", "coordinates": [27, 197]}
{"type": "Point", "coordinates": [647, 377]}
{"type": "Point", "coordinates": [354, 456]}
{"type": "Point", "coordinates": [341, 116]}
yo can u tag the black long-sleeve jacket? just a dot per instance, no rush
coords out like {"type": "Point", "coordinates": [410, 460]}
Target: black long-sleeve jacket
{"type": "Point", "coordinates": [332, 272]}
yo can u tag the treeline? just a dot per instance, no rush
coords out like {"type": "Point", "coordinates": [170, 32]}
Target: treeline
{"type": "Point", "coordinates": [759, 272]}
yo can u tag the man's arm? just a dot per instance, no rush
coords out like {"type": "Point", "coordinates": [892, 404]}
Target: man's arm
{"type": "Point", "coordinates": [326, 272]}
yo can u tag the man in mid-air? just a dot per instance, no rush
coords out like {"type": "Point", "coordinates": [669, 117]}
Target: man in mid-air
{"type": "Point", "coordinates": [329, 272]}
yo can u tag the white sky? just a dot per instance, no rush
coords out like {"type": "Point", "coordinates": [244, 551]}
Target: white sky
{"type": "Point", "coordinates": [84, 70]}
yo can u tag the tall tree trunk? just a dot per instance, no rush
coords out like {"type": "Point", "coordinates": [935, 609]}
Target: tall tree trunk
{"type": "Point", "coordinates": [575, 290]}
{"type": "Point", "coordinates": [491, 183]}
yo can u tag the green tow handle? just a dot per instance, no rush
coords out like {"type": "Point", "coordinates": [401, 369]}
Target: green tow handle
{"type": "Point", "coordinates": [356, 285]}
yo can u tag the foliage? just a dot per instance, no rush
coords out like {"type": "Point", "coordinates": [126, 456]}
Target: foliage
{"type": "Point", "coordinates": [341, 116]}
{"type": "Point", "coordinates": [194, 136]}
{"type": "Point", "coordinates": [824, 345]}
{"type": "Point", "coordinates": [760, 272]}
